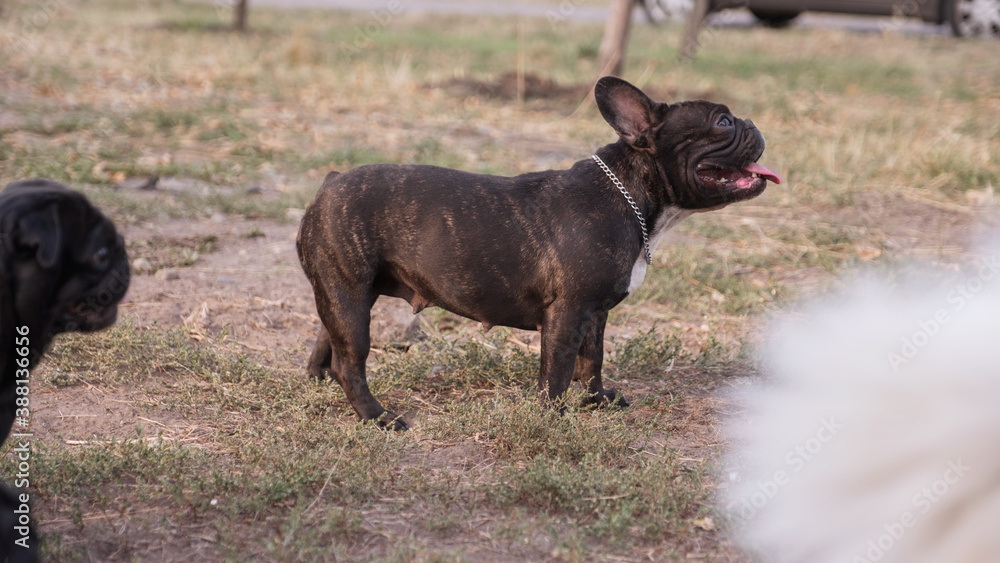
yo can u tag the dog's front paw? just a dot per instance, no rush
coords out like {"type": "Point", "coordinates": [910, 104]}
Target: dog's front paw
{"type": "Point", "coordinates": [391, 421]}
{"type": "Point", "coordinates": [607, 398]}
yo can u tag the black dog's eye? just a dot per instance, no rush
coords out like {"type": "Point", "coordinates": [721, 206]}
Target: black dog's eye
{"type": "Point", "coordinates": [101, 257]}
{"type": "Point", "coordinates": [725, 121]}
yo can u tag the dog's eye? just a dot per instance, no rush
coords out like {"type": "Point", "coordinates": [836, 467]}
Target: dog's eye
{"type": "Point", "coordinates": [101, 257]}
{"type": "Point", "coordinates": [725, 121]}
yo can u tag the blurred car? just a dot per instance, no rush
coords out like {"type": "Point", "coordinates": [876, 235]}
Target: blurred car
{"type": "Point", "coordinates": [967, 17]}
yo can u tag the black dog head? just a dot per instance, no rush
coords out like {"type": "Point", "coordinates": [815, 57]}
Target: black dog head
{"type": "Point", "coordinates": [64, 265]}
{"type": "Point", "coordinates": [706, 157]}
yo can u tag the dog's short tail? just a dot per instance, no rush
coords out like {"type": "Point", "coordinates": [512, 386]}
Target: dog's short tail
{"type": "Point", "coordinates": [875, 438]}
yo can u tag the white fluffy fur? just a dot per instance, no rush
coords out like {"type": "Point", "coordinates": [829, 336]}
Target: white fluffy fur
{"type": "Point", "coordinates": [902, 432]}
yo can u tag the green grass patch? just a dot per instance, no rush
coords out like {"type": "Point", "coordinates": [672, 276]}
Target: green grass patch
{"type": "Point", "coordinates": [523, 428]}
{"type": "Point", "coordinates": [647, 499]}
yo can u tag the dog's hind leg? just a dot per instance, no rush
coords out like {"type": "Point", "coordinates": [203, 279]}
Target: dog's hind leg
{"type": "Point", "coordinates": [320, 361]}
{"type": "Point", "coordinates": [347, 319]}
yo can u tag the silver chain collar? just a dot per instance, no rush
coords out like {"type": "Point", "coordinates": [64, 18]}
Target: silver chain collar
{"type": "Point", "coordinates": [628, 198]}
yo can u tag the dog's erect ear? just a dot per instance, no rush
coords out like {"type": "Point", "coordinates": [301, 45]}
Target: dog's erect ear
{"type": "Point", "coordinates": [627, 109]}
{"type": "Point", "coordinates": [40, 230]}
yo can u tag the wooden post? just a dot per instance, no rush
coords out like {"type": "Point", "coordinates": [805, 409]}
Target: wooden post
{"type": "Point", "coordinates": [696, 20]}
{"type": "Point", "coordinates": [611, 56]}
{"type": "Point", "coordinates": [240, 16]}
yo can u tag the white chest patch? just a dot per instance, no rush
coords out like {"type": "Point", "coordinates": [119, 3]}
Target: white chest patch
{"type": "Point", "coordinates": [669, 217]}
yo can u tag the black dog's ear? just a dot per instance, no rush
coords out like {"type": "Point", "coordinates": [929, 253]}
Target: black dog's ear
{"type": "Point", "coordinates": [40, 231]}
{"type": "Point", "coordinates": [627, 109]}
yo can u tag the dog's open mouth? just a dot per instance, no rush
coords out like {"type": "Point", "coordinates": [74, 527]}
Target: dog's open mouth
{"type": "Point", "coordinates": [752, 176]}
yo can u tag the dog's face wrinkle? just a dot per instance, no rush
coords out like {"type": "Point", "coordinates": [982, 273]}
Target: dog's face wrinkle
{"type": "Point", "coordinates": [686, 139]}
{"type": "Point", "coordinates": [92, 306]}
{"type": "Point", "coordinates": [712, 138]}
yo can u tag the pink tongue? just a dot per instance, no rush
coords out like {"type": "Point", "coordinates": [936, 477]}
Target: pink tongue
{"type": "Point", "coordinates": [763, 172]}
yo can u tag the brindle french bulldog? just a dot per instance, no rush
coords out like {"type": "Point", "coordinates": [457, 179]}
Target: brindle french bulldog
{"type": "Point", "coordinates": [552, 251]}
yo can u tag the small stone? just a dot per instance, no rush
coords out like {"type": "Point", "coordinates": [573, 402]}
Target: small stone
{"type": "Point", "coordinates": [219, 218]}
{"type": "Point", "coordinates": [255, 190]}
{"type": "Point", "coordinates": [295, 214]}
{"type": "Point", "coordinates": [167, 274]}
{"type": "Point", "coordinates": [279, 249]}
{"type": "Point", "coordinates": [141, 266]}
{"type": "Point", "coordinates": [140, 183]}
{"type": "Point", "coordinates": [179, 184]}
